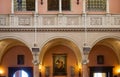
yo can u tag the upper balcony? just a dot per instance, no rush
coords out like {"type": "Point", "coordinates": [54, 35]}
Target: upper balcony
{"type": "Point", "coordinates": [59, 21]}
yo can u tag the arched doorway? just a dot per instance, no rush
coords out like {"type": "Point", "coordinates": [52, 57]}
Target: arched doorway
{"type": "Point", "coordinates": [101, 71]}
{"type": "Point", "coordinates": [20, 72]}
{"type": "Point", "coordinates": [15, 54]}
{"type": "Point", "coordinates": [66, 52]}
{"type": "Point", "coordinates": [104, 58]}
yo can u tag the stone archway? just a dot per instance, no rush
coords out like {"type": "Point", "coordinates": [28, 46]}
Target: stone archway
{"type": "Point", "coordinates": [54, 47]}
{"type": "Point", "coordinates": [7, 43]}
{"type": "Point", "coordinates": [61, 41]}
{"type": "Point", "coordinates": [10, 50]}
{"type": "Point", "coordinates": [113, 43]}
{"type": "Point", "coordinates": [108, 49]}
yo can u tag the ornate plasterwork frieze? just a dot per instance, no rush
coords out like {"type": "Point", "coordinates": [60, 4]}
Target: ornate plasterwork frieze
{"type": "Point", "coordinates": [59, 29]}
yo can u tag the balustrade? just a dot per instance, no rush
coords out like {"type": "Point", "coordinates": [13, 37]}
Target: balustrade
{"type": "Point", "coordinates": [58, 21]}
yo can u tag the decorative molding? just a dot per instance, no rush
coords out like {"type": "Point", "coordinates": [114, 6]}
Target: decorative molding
{"type": "Point", "coordinates": [96, 21]}
{"type": "Point", "coordinates": [59, 20]}
{"type": "Point", "coordinates": [59, 29]}
{"type": "Point", "coordinates": [24, 21]}
{"type": "Point", "coordinates": [117, 20]}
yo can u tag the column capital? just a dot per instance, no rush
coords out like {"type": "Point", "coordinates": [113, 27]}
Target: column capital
{"type": "Point", "coordinates": [85, 61]}
{"type": "Point", "coordinates": [36, 62]}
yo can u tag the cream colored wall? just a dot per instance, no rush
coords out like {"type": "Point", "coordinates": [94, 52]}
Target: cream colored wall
{"type": "Point", "coordinates": [44, 37]}
{"type": "Point", "coordinates": [75, 37]}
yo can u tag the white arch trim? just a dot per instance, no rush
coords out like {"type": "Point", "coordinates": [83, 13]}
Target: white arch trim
{"type": "Point", "coordinates": [63, 41]}
{"type": "Point", "coordinates": [16, 38]}
{"type": "Point", "coordinates": [110, 41]}
{"type": "Point", "coordinates": [8, 42]}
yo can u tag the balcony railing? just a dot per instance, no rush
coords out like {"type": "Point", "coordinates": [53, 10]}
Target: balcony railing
{"type": "Point", "coordinates": [60, 21]}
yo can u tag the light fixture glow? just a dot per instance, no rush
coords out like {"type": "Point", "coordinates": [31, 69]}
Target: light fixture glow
{"type": "Point", "coordinates": [1, 71]}
{"type": "Point", "coordinates": [118, 71]}
{"type": "Point", "coordinates": [79, 66]}
{"type": "Point", "coordinates": [40, 66]}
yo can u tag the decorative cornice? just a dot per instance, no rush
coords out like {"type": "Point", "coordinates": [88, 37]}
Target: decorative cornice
{"type": "Point", "coordinates": [59, 29]}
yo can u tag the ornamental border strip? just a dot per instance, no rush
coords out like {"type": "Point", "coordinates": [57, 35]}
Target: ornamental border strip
{"type": "Point", "coordinates": [60, 29]}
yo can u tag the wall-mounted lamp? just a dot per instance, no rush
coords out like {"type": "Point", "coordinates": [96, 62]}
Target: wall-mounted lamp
{"type": "Point", "coordinates": [40, 67]}
{"type": "Point", "coordinates": [72, 69]}
{"type": "Point", "coordinates": [41, 2]}
{"type": "Point", "coordinates": [117, 71]}
{"type": "Point", "coordinates": [35, 56]}
{"type": "Point", "coordinates": [79, 70]}
{"type": "Point", "coordinates": [86, 49]}
{"type": "Point", "coordinates": [47, 71]}
{"type": "Point", "coordinates": [35, 50]}
{"type": "Point", "coordinates": [1, 71]}
{"type": "Point", "coordinates": [77, 2]}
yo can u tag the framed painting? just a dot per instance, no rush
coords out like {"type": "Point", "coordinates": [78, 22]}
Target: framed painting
{"type": "Point", "coordinates": [100, 59]}
{"type": "Point", "coordinates": [59, 64]}
{"type": "Point", "coordinates": [20, 59]}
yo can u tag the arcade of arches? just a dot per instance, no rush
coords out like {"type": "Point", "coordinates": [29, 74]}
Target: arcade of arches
{"type": "Point", "coordinates": [103, 57]}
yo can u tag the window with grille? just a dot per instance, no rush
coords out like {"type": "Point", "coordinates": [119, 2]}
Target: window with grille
{"type": "Point", "coordinates": [96, 5]}
{"type": "Point", "coordinates": [24, 5]}
{"type": "Point", "coordinates": [53, 5]}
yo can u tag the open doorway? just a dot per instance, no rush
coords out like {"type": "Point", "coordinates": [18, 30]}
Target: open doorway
{"type": "Point", "coordinates": [20, 72]}
{"type": "Point", "coordinates": [101, 71]}
{"type": "Point", "coordinates": [99, 74]}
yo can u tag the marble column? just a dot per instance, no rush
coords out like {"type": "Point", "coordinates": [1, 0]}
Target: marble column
{"type": "Point", "coordinates": [85, 72]}
{"type": "Point", "coordinates": [107, 6]}
{"type": "Point", "coordinates": [12, 6]}
{"type": "Point", "coordinates": [60, 6]}
{"type": "Point", "coordinates": [36, 64]}
{"type": "Point", "coordinates": [84, 6]}
{"type": "Point", "coordinates": [36, 6]}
